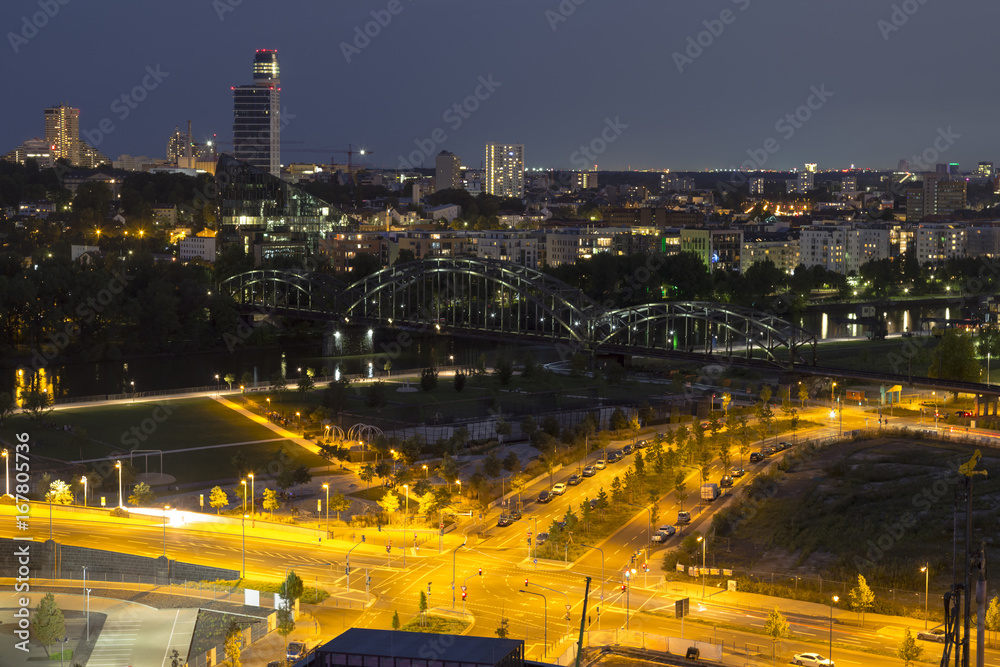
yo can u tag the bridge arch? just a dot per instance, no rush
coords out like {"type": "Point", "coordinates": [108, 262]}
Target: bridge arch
{"type": "Point", "coordinates": [708, 328]}
{"type": "Point", "coordinates": [285, 291]}
{"type": "Point", "coordinates": [472, 294]}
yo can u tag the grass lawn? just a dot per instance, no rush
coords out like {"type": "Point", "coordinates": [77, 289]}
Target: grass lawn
{"type": "Point", "coordinates": [436, 624]}
{"type": "Point", "coordinates": [310, 594]}
{"type": "Point", "coordinates": [183, 424]}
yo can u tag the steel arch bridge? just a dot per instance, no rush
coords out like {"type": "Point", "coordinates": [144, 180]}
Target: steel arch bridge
{"type": "Point", "coordinates": [707, 328]}
{"type": "Point", "coordinates": [501, 299]}
{"type": "Point", "coordinates": [285, 291]}
{"type": "Point", "coordinates": [472, 294]}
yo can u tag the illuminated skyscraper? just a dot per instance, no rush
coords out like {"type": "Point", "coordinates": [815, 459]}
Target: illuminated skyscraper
{"type": "Point", "coordinates": [62, 132]}
{"type": "Point", "coordinates": [505, 170]}
{"type": "Point", "coordinates": [257, 115]}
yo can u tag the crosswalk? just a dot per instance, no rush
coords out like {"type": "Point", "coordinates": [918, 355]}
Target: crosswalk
{"type": "Point", "coordinates": [115, 645]}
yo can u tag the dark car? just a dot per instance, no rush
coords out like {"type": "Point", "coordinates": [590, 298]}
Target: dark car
{"type": "Point", "coordinates": [627, 449]}
{"type": "Point", "coordinates": [641, 444]}
{"type": "Point", "coordinates": [739, 472]}
{"type": "Point", "coordinates": [573, 480]}
{"type": "Point", "coordinates": [683, 518]}
{"type": "Point", "coordinates": [726, 481]}
{"type": "Point", "coordinates": [541, 538]}
{"type": "Point", "coordinates": [756, 457]}
{"type": "Point", "coordinates": [515, 515]}
{"type": "Point", "coordinates": [544, 497]}
{"type": "Point", "coordinates": [589, 471]}
{"type": "Point", "coordinates": [614, 457]}
{"type": "Point", "coordinates": [504, 520]}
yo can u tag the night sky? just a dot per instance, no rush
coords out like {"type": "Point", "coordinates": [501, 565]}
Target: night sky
{"type": "Point", "coordinates": [888, 80]}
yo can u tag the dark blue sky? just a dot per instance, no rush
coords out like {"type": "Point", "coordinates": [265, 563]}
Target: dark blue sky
{"type": "Point", "coordinates": [892, 89]}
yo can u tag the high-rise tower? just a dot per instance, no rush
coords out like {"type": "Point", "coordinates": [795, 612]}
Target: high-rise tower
{"type": "Point", "coordinates": [505, 170]}
{"type": "Point", "coordinates": [62, 132]}
{"type": "Point", "coordinates": [257, 115]}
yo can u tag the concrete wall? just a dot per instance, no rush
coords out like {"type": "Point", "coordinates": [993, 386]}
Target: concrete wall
{"type": "Point", "coordinates": [52, 560]}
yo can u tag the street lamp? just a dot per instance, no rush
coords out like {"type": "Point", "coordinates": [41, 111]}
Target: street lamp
{"type": "Point", "coordinates": [425, 471]}
{"type": "Point", "coordinates": [244, 524]}
{"type": "Point", "coordinates": [545, 619]}
{"type": "Point", "coordinates": [118, 464]}
{"type": "Point", "coordinates": [165, 509]}
{"type": "Point", "coordinates": [704, 543]}
{"type": "Point", "coordinates": [84, 480]}
{"type": "Point", "coordinates": [832, 389]}
{"type": "Point", "coordinates": [6, 468]}
{"type": "Point", "coordinates": [326, 487]}
{"type": "Point", "coordinates": [835, 600]}
{"type": "Point", "coordinates": [244, 483]}
{"type": "Point", "coordinates": [406, 490]}
{"type": "Point", "coordinates": [253, 496]}
{"type": "Point", "coordinates": [926, 569]}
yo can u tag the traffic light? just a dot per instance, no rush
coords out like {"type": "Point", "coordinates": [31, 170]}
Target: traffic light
{"type": "Point", "coordinates": [388, 548]}
{"type": "Point", "coordinates": [480, 572]}
{"type": "Point", "coordinates": [463, 596]}
{"type": "Point", "coordinates": [525, 582]}
{"type": "Point", "coordinates": [623, 588]}
{"type": "Point", "coordinates": [362, 538]}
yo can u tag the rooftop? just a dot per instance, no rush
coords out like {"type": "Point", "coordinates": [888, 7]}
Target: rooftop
{"type": "Point", "coordinates": [398, 644]}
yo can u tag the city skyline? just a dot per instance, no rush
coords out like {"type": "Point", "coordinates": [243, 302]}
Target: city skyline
{"type": "Point", "coordinates": [710, 86]}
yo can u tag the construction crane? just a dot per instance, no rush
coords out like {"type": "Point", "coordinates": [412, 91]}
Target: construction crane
{"type": "Point", "coordinates": [350, 152]}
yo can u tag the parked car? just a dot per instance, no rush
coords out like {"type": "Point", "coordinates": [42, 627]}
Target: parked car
{"type": "Point", "coordinates": [541, 538]}
{"type": "Point", "coordinates": [812, 659]}
{"type": "Point", "coordinates": [515, 515]}
{"type": "Point", "coordinates": [589, 471]}
{"type": "Point", "coordinates": [783, 445]}
{"type": "Point", "coordinates": [295, 651]}
{"type": "Point", "coordinates": [593, 503]}
{"type": "Point", "coordinates": [756, 457]}
{"type": "Point", "coordinates": [767, 450]}
{"type": "Point", "coordinates": [504, 520]}
{"type": "Point", "coordinates": [726, 481]}
{"type": "Point", "coordinates": [574, 480]}
{"type": "Point", "coordinates": [601, 464]}
{"type": "Point", "coordinates": [544, 497]}
{"type": "Point", "coordinates": [659, 537]}
{"type": "Point", "coordinates": [683, 518]}
{"type": "Point", "coordinates": [709, 492]}
{"type": "Point", "coordinates": [932, 635]}
{"type": "Point", "coordinates": [627, 449]}
{"type": "Point", "coordinates": [641, 444]}
{"type": "Point", "coordinates": [559, 489]}
{"type": "Point", "coordinates": [667, 528]}
{"type": "Point", "coordinates": [739, 472]}
{"type": "Point", "coordinates": [614, 457]}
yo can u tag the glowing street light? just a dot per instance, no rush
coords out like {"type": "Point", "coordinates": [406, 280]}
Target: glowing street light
{"type": "Point", "coordinates": [704, 543]}
{"type": "Point", "coordinates": [118, 464]}
{"type": "Point", "coordinates": [253, 496]}
{"type": "Point", "coordinates": [926, 569]}
{"type": "Point", "coordinates": [244, 483]}
{"type": "Point", "coordinates": [425, 469]}
{"type": "Point", "coordinates": [835, 600]}
{"type": "Point", "coordinates": [6, 469]}
{"type": "Point", "coordinates": [326, 487]}
{"type": "Point", "coordinates": [84, 481]}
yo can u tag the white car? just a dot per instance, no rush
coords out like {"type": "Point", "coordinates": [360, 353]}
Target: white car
{"type": "Point", "coordinates": [601, 464]}
{"type": "Point", "coordinates": [812, 659]}
{"type": "Point", "coordinates": [559, 489]}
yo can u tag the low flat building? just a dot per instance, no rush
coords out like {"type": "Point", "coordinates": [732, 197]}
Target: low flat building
{"type": "Point", "coordinates": [359, 647]}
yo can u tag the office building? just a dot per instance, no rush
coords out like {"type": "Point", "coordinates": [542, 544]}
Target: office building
{"type": "Point", "coordinates": [519, 248]}
{"type": "Point", "coordinates": [39, 150]}
{"type": "Point", "coordinates": [936, 196]}
{"type": "Point", "coordinates": [62, 132]}
{"type": "Point", "coordinates": [782, 251]}
{"type": "Point", "coordinates": [268, 216]}
{"type": "Point", "coordinates": [362, 647]}
{"type": "Point", "coordinates": [568, 246]}
{"type": "Point", "coordinates": [675, 183]}
{"type": "Point", "coordinates": [505, 170]}
{"type": "Point", "coordinates": [447, 171]}
{"type": "Point", "coordinates": [806, 181]}
{"type": "Point", "coordinates": [984, 170]}
{"type": "Point", "coordinates": [201, 246]}
{"type": "Point", "coordinates": [257, 115]}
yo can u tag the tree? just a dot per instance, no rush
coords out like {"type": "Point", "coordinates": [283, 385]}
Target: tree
{"type": "Point", "coordinates": [511, 462]}
{"type": "Point", "coordinates": [422, 605]}
{"type": "Point", "coordinates": [459, 380]}
{"type": "Point", "coordinates": [502, 630]}
{"type": "Point", "coordinates": [680, 488]}
{"type": "Point", "coordinates": [218, 498]}
{"type": "Point", "coordinates": [339, 503]}
{"type": "Point", "coordinates": [803, 395]}
{"type": "Point", "coordinates": [993, 616]}
{"type": "Point", "coordinates": [234, 644]}
{"type": "Point", "coordinates": [727, 398]}
{"type": "Point", "coordinates": [375, 396]}
{"type": "Point", "coordinates": [428, 379]}
{"type": "Point", "coordinates": [7, 405]}
{"type": "Point", "coordinates": [367, 474]}
{"type": "Point", "coordinates": [395, 620]}
{"type": "Point", "coordinates": [619, 422]}
{"type": "Point", "coordinates": [246, 379]}
{"type": "Point", "coordinates": [48, 623]}
{"type": "Point", "coordinates": [59, 493]}
{"type": "Point", "coordinates": [270, 501]}
{"type": "Point", "coordinates": [306, 384]}
{"type": "Point", "coordinates": [776, 627]}
{"type": "Point", "coordinates": [502, 428]}
{"type": "Point", "coordinates": [862, 598]}
{"type": "Point", "coordinates": [229, 379]}
{"type": "Point", "coordinates": [908, 651]}
{"type": "Point", "coordinates": [292, 587]}
{"type": "Point", "coordinates": [286, 622]}
{"type": "Point", "coordinates": [954, 358]}
{"type": "Point", "coordinates": [141, 495]}
{"type": "Point", "coordinates": [491, 465]}
{"type": "Point", "coordinates": [426, 503]}
{"type": "Point", "coordinates": [389, 502]}
{"type": "Point", "coordinates": [37, 403]}
{"type": "Point", "coordinates": [617, 492]}
{"type": "Point", "coordinates": [504, 371]}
